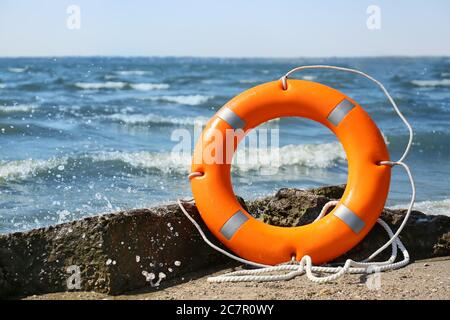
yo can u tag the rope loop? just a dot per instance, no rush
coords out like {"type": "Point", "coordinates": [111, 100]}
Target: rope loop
{"type": "Point", "coordinates": [284, 82]}
{"type": "Point", "coordinates": [388, 163]}
{"type": "Point", "coordinates": [195, 174]}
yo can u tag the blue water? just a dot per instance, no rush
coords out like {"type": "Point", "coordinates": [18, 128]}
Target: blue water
{"type": "Point", "coordinates": [83, 136]}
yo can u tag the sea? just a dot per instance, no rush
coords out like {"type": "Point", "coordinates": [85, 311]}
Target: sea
{"type": "Point", "coordinates": [82, 136]}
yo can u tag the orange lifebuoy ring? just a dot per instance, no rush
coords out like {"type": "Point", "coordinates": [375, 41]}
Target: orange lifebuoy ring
{"type": "Point", "coordinates": [336, 233]}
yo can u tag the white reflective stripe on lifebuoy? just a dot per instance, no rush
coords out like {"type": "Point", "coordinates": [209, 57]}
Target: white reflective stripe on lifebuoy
{"type": "Point", "coordinates": [233, 224]}
{"type": "Point", "coordinates": [340, 111]}
{"type": "Point", "coordinates": [230, 117]}
{"type": "Point", "coordinates": [350, 218]}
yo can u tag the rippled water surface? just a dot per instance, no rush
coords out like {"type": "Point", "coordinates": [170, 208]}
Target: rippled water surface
{"type": "Point", "coordinates": [82, 136]}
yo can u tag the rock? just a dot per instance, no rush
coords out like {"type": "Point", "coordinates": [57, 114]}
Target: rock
{"type": "Point", "coordinates": [332, 192]}
{"type": "Point", "coordinates": [442, 247]}
{"type": "Point", "coordinates": [425, 236]}
{"type": "Point", "coordinates": [103, 249]}
{"type": "Point", "coordinates": [289, 207]}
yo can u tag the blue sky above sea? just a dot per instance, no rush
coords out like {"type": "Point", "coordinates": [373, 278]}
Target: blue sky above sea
{"type": "Point", "coordinates": [285, 28]}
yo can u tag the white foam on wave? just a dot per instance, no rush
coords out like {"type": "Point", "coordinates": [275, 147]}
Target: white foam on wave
{"type": "Point", "coordinates": [149, 86]}
{"type": "Point", "coordinates": [311, 155]}
{"type": "Point", "coordinates": [309, 78]}
{"type": "Point", "coordinates": [323, 155]}
{"type": "Point", "coordinates": [162, 161]}
{"type": "Point", "coordinates": [190, 100]}
{"type": "Point", "coordinates": [100, 85]}
{"type": "Point", "coordinates": [16, 108]}
{"type": "Point", "coordinates": [212, 81]}
{"type": "Point", "coordinates": [121, 85]}
{"type": "Point", "coordinates": [133, 72]}
{"type": "Point", "coordinates": [248, 81]}
{"type": "Point", "coordinates": [17, 70]}
{"type": "Point", "coordinates": [437, 207]}
{"type": "Point", "coordinates": [431, 83]}
{"type": "Point", "coordinates": [22, 169]}
{"type": "Point", "coordinates": [2, 85]}
{"type": "Point", "coordinates": [154, 119]}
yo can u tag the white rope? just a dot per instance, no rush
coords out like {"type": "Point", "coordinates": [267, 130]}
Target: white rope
{"type": "Point", "coordinates": [365, 75]}
{"type": "Point", "coordinates": [325, 208]}
{"type": "Point", "coordinates": [408, 212]}
{"type": "Point", "coordinates": [296, 268]}
{"type": "Point", "coordinates": [305, 264]}
{"type": "Point", "coordinates": [209, 243]}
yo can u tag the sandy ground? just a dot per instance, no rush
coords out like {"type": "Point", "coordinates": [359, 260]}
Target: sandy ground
{"type": "Point", "coordinates": [426, 279]}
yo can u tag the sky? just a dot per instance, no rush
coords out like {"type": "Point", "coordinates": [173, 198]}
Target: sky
{"type": "Point", "coordinates": [228, 28]}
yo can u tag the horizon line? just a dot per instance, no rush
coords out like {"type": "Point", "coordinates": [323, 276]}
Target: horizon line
{"type": "Point", "coordinates": [225, 57]}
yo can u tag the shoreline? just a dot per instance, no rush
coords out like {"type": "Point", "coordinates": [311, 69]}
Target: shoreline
{"type": "Point", "coordinates": [423, 279]}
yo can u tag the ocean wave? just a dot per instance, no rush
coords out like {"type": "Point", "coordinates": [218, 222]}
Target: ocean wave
{"type": "Point", "coordinates": [22, 169]}
{"type": "Point", "coordinates": [2, 86]}
{"type": "Point", "coordinates": [438, 207]}
{"type": "Point", "coordinates": [148, 119]}
{"type": "Point", "coordinates": [35, 86]}
{"type": "Point", "coordinates": [321, 156]}
{"type": "Point", "coordinates": [309, 78]}
{"type": "Point", "coordinates": [213, 81]}
{"type": "Point", "coordinates": [17, 70]}
{"type": "Point", "coordinates": [160, 161]}
{"type": "Point", "coordinates": [16, 108]}
{"type": "Point", "coordinates": [121, 85]}
{"type": "Point", "coordinates": [133, 72]}
{"type": "Point", "coordinates": [312, 156]}
{"type": "Point", "coordinates": [431, 83]}
{"type": "Point", "coordinates": [149, 86]}
{"type": "Point", "coordinates": [246, 81]}
{"type": "Point", "coordinates": [190, 100]}
{"type": "Point", "coordinates": [100, 85]}
{"type": "Point", "coordinates": [18, 170]}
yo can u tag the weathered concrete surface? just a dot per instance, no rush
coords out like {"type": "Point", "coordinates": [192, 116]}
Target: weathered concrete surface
{"type": "Point", "coordinates": [118, 252]}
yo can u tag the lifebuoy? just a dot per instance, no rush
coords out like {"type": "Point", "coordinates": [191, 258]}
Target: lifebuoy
{"type": "Point", "coordinates": [333, 235]}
